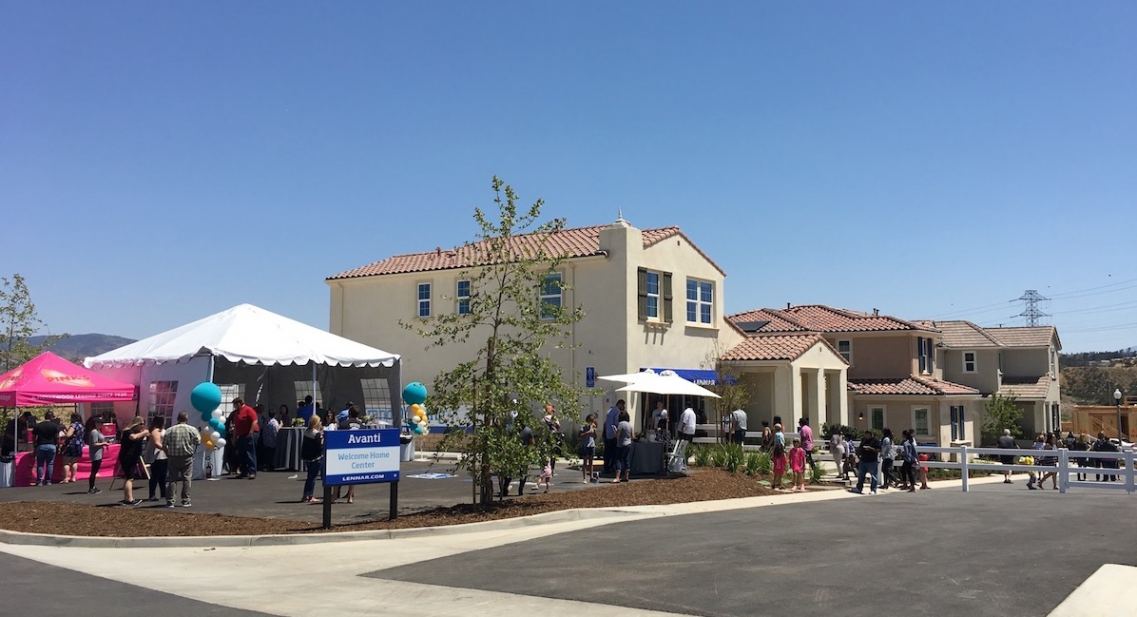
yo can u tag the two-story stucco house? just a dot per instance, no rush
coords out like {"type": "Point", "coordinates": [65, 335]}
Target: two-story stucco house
{"type": "Point", "coordinates": [1019, 362]}
{"type": "Point", "coordinates": [893, 379]}
{"type": "Point", "coordinates": [651, 299]}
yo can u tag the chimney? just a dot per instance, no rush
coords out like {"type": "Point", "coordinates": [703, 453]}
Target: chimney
{"type": "Point", "coordinates": [787, 306]}
{"type": "Point", "coordinates": [438, 251]}
{"type": "Point", "coordinates": [876, 312]}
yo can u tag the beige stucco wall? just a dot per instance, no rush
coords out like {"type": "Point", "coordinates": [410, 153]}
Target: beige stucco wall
{"type": "Point", "coordinates": [898, 416]}
{"type": "Point", "coordinates": [1018, 362]}
{"type": "Point", "coordinates": [609, 337]}
{"type": "Point", "coordinates": [986, 375]}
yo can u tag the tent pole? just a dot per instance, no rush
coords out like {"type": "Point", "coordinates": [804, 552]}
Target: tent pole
{"type": "Point", "coordinates": [211, 360]}
{"type": "Point", "coordinates": [314, 397]}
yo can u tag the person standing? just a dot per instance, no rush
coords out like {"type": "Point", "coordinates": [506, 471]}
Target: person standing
{"type": "Point", "coordinates": [610, 422]}
{"type": "Point", "coordinates": [837, 449]}
{"type": "Point", "coordinates": [180, 443]}
{"type": "Point", "coordinates": [245, 429]}
{"type": "Point", "coordinates": [1049, 461]}
{"type": "Point", "coordinates": [312, 453]}
{"type": "Point", "coordinates": [738, 426]}
{"type": "Point", "coordinates": [778, 464]}
{"type": "Point", "coordinates": [797, 465]}
{"type": "Point", "coordinates": [131, 440]}
{"type": "Point", "coordinates": [1104, 444]}
{"type": "Point", "coordinates": [268, 440]}
{"type": "Point", "coordinates": [1039, 444]}
{"type": "Point", "coordinates": [910, 458]}
{"type": "Point", "coordinates": [156, 456]}
{"type": "Point", "coordinates": [806, 434]}
{"type": "Point", "coordinates": [72, 447]}
{"type": "Point", "coordinates": [1081, 444]}
{"type": "Point", "coordinates": [886, 456]}
{"type": "Point", "coordinates": [624, 448]}
{"type": "Point", "coordinates": [779, 436]}
{"type": "Point", "coordinates": [46, 437]}
{"type": "Point", "coordinates": [687, 422]}
{"type": "Point", "coordinates": [767, 437]}
{"type": "Point", "coordinates": [1006, 442]}
{"type": "Point", "coordinates": [658, 414]}
{"type": "Point", "coordinates": [305, 409]}
{"type": "Point", "coordinates": [868, 454]}
{"type": "Point", "coordinates": [556, 437]}
{"type": "Point", "coordinates": [588, 448]}
{"type": "Point", "coordinates": [96, 441]}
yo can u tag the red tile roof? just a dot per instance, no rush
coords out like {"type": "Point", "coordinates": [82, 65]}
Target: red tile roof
{"type": "Point", "coordinates": [566, 243]}
{"type": "Point", "coordinates": [908, 386]}
{"type": "Point", "coordinates": [820, 318]}
{"type": "Point", "coordinates": [774, 347]}
{"type": "Point", "coordinates": [1025, 387]}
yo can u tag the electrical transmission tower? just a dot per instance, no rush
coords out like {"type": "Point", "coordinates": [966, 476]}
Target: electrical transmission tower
{"type": "Point", "coordinates": [1031, 312]}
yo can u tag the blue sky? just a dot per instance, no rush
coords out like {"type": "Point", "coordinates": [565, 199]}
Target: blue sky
{"type": "Point", "coordinates": [159, 162]}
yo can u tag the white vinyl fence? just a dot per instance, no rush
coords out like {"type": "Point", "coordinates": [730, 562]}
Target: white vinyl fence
{"type": "Point", "coordinates": [1064, 465]}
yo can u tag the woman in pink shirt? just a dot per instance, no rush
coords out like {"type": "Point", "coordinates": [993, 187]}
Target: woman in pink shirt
{"type": "Point", "coordinates": [797, 465]}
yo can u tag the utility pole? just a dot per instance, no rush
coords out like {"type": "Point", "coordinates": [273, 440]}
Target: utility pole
{"type": "Point", "coordinates": [1031, 311]}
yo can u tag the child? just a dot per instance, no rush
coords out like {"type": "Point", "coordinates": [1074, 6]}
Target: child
{"type": "Point", "coordinates": [923, 458]}
{"type": "Point", "coordinates": [546, 476]}
{"type": "Point", "coordinates": [778, 459]}
{"type": "Point", "coordinates": [797, 464]}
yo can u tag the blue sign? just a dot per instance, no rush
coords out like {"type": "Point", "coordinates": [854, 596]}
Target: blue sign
{"type": "Point", "coordinates": [361, 457]}
{"type": "Point", "coordinates": [590, 377]}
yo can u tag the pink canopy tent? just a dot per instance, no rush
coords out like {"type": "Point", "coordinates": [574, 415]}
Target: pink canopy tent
{"type": "Point", "coordinates": [48, 379]}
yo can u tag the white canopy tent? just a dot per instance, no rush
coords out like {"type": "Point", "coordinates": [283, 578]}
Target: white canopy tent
{"type": "Point", "coordinates": [666, 382]}
{"type": "Point", "coordinates": [236, 349]}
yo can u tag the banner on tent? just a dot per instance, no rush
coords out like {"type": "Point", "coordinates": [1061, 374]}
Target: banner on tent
{"type": "Point", "coordinates": [361, 457]}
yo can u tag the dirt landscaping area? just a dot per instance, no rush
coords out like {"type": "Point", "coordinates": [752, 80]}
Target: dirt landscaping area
{"type": "Point", "coordinates": [75, 519]}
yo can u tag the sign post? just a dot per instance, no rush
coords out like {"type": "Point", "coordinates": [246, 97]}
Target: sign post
{"type": "Point", "coordinates": [367, 456]}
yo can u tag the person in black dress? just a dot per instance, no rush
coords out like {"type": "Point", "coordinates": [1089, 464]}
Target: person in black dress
{"type": "Point", "coordinates": [132, 439]}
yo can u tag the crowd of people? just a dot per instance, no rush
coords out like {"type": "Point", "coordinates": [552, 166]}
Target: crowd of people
{"type": "Point", "coordinates": [874, 459]}
{"type": "Point", "coordinates": [1046, 460]}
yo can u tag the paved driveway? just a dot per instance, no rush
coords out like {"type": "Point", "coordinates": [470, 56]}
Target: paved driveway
{"type": "Point", "coordinates": [999, 551]}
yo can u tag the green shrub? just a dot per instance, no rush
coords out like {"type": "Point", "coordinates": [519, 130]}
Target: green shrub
{"type": "Point", "coordinates": [702, 455]}
{"type": "Point", "coordinates": [765, 464]}
{"type": "Point", "coordinates": [753, 463]}
{"type": "Point", "coordinates": [718, 456]}
{"type": "Point", "coordinates": [815, 474]}
{"type": "Point", "coordinates": [731, 456]}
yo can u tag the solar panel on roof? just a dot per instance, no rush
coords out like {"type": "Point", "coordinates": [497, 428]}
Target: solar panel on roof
{"type": "Point", "coordinates": [752, 326]}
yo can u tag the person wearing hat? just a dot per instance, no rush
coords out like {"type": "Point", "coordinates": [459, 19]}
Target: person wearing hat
{"type": "Point", "coordinates": [132, 438]}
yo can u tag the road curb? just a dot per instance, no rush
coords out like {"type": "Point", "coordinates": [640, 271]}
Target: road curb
{"type": "Point", "coordinates": [295, 539]}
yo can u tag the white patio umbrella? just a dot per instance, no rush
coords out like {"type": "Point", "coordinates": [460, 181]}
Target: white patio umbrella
{"type": "Point", "coordinates": [627, 377]}
{"type": "Point", "coordinates": [666, 382]}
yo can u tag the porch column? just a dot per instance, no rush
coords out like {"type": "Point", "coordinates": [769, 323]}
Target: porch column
{"type": "Point", "coordinates": [840, 384]}
{"type": "Point", "coordinates": [787, 395]}
{"type": "Point", "coordinates": [820, 408]}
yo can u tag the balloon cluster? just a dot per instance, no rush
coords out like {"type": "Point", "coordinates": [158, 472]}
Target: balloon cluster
{"type": "Point", "coordinates": [415, 395]}
{"type": "Point", "coordinates": [206, 399]}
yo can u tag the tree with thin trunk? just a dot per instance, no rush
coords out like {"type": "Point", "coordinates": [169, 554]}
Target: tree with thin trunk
{"type": "Point", "coordinates": [18, 322]}
{"type": "Point", "coordinates": [515, 304]}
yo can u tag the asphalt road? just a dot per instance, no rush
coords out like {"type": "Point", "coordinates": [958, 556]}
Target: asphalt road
{"type": "Point", "coordinates": [999, 551]}
{"type": "Point", "coordinates": [33, 588]}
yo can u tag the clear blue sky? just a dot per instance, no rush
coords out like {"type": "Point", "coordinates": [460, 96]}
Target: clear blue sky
{"type": "Point", "coordinates": [159, 162]}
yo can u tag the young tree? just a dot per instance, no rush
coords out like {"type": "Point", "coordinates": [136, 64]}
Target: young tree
{"type": "Point", "coordinates": [488, 396]}
{"type": "Point", "coordinates": [1001, 413]}
{"type": "Point", "coordinates": [18, 322]}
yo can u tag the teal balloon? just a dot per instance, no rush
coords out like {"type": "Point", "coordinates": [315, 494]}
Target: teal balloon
{"type": "Point", "coordinates": [218, 425]}
{"type": "Point", "coordinates": [205, 397]}
{"type": "Point", "coordinates": [414, 393]}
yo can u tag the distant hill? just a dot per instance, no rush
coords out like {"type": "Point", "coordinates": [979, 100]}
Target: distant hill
{"type": "Point", "coordinates": [79, 346]}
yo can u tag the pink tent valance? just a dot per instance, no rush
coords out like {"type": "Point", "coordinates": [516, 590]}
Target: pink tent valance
{"type": "Point", "coordinates": [48, 379]}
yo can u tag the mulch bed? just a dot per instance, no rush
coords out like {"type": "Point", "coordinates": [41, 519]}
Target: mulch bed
{"type": "Point", "coordinates": [83, 520]}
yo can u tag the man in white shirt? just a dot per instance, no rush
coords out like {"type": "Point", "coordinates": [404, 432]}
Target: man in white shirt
{"type": "Point", "coordinates": [687, 425]}
{"type": "Point", "coordinates": [738, 425]}
{"type": "Point", "coordinates": [656, 415]}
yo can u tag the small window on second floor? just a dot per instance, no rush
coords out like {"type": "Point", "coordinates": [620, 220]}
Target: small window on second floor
{"type": "Point", "coordinates": [924, 351]}
{"type": "Point", "coordinates": [551, 289]}
{"type": "Point", "coordinates": [423, 298]}
{"type": "Point", "coordinates": [462, 296]}
{"type": "Point", "coordinates": [969, 363]}
{"type": "Point", "coordinates": [845, 348]}
{"type": "Point", "coordinates": [700, 301]}
{"type": "Point", "coordinates": [652, 295]}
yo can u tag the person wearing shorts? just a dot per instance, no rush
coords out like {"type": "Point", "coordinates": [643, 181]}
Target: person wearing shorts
{"type": "Point", "coordinates": [132, 439]}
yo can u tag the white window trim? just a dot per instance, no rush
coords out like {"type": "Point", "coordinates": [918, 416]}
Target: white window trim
{"type": "Point", "coordinates": [974, 362]}
{"type": "Point", "coordinates": [850, 342]}
{"type": "Point", "coordinates": [699, 302]}
{"type": "Point", "coordinates": [658, 295]}
{"type": "Point", "coordinates": [458, 297]}
{"type": "Point", "coordinates": [883, 415]}
{"type": "Point", "coordinates": [928, 409]}
{"type": "Point", "coordinates": [429, 300]}
{"type": "Point", "coordinates": [541, 295]}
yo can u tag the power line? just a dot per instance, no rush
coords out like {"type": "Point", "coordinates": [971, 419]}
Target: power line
{"type": "Point", "coordinates": [1104, 308]}
{"type": "Point", "coordinates": [1031, 312]}
{"type": "Point", "coordinates": [1066, 294]}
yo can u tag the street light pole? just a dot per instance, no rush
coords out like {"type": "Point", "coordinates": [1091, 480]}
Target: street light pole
{"type": "Point", "coordinates": [1117, 401]}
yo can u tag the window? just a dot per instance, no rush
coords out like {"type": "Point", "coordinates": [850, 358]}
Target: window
{"type": "Point", "coordinates": [551, 295]}
{"type": "Point", "coordinates": [700, 301]}
{"type": "Point", "coordinates": [1055, 416]}
{"type": "Point", "coordinates": [304, 390]}
{"type": "Point", "coordinates": [163, 395]}
{"type": "Point", "coordinates": [845, 348]}
{"type": "Point", "coordinates": [920, 421]}
{"type": "Point", "coordinates": [957, 427]}
{"type": "Point", "coordinates": [924, 350]}
{"type": "Point", "coordinates": [876, 418]}
{"type": "Point", "coordinates": [423, 300]}
{"type": "Point", "coordinates": [969, 363]}
{"type": "Point", "coordinates": [462, 294]}
{"type": "Point", "coordinates": [652, 295]}
{"type": "Point", "coordinates": [1053, 364]}
{"type": "Point", "coordinates": [230, 391]}
{"type": "Point", "coordinates": [377, 400]}
{"type": "Point", "coordinates": [98, 410]}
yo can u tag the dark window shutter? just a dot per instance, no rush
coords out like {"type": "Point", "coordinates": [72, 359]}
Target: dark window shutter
{"type": "Point", "coordinates": [641, 293]}
{"type": "Point", "coordinates": [667, 297]}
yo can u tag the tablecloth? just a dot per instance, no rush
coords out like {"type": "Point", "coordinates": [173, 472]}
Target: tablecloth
{"type": "Point", "coordinates": [288, 443]}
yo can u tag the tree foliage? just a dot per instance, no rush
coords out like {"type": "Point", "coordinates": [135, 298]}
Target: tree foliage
{"type": "Point", "coordinates": [18, 322]}
{"type": "Point", "coordinates": [503, 384]}
{"type": "Point", "coordinates": [1001, 413]}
